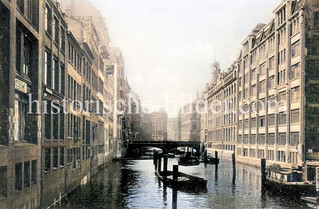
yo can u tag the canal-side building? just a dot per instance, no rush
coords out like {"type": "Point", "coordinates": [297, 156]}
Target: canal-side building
{"type": "Point", "coordinates": [54, 141]}
{"type": "Point", "coordinates": [20, 75]}
{"type": "Point", "coordinates": [121, 89]}
{"type": "Point", "coordinates": [219, 112]}
{"type": "Point", "coordinates": [277, 63]}
{"type": "Point", "coordinates": [159, 125]}
{"type": "Point", "coordinates": [52, 61]}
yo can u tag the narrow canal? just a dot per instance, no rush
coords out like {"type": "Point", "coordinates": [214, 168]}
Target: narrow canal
{"type": "Point", "coordinates": [133, 185]}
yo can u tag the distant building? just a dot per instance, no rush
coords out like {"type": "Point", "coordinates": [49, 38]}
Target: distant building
{"type": "Point", "coordinates": [121, 88]}
{"type": "Point", "coordinates": [189, 122]}
{"type": "Point", "coordinates": [145, 132]}
{"type": "Point", "coordinates": [172, 129]}
{"type": "Point", "coordinates": [132, 119]}
{"type": "Point", "coordinates": [218, 129]}
{"type": "Point", "coordinates": [159, 126]}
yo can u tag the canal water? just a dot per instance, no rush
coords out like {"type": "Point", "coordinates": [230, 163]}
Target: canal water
{"type": "Point", "coordinates": [133, 185]}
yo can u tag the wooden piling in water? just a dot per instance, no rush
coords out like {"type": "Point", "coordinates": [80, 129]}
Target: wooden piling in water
{"type": "Point", "coordinates": [175, 173]}
{"type": "Point", "coordinates": [174, 199]}
{"type": "Point", "coordinates": [205, 156]}
{"type": "Point", "coordinates": [165, 163]}
{"type": "Point", "coordinates": [216, 155]}
{"type": "Point", "coordinates": [233, 160]}
{"type": "Point", "coordinates": [263, 173]}
{"type": "Point", "coordinates": [159, 166]}
{"type": "Point", "coordinates": [155, 158]}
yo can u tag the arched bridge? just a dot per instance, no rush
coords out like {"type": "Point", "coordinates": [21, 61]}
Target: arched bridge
{"type": "Point", "coordinates": [165, 146]}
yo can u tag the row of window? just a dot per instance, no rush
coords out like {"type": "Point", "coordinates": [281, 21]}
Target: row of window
{"type": "Point", "coordinates": [281, 155]}
{"type": "Point", "coordinates": [281, 78]}
{"type": "Point", "coordinates": [270, 85]}
{"type": "Point", "coordinates": [282, 120]}
{"type": "Point", "coordinates": [270, 140]}
{"type": "Point", "coordinates": [54, 122]}
{"type": "Point", "coordinates": [29, 9]}
{"type": "Point", "coordinates": [295, 51]}
{"type": "Point", "coordinates": [53, 28]}
{"type": "Point", "coordinates": [25, 174]}
{"type": "Point", "coordinates": [74, 91]}
{"type": "Point", "coordinates": [54, 73]}
{"type": "Point", "coordinates": [54, 157]}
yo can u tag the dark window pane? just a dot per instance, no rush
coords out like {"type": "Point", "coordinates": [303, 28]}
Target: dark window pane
{"type": "Point", "coordinates": [18, 176]}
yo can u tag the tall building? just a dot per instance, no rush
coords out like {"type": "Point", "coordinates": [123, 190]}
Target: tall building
{"type": "Point", "coordinates": [21, 35]}
{"type": "Point", "coordinates": [132, 118]}
{"type": "Point", "coordinates": [219, 123]}
{"type": "Point", "coordinates": [189, 122]}
{"type": "Point", "coordinates": [145, 133]}
{"type": "Point", "coordinates": [172, 129]}
{"type": "Point", "coordinates": [121, 89]}
{"type": "Point", "coordinates": [54, 141]}
{"type": "Point", "coordinates": [277, 67]}
{"type": "Point", "coordinates": [51, 63]}
{"type": "Point", "coordinates": [159, 125]}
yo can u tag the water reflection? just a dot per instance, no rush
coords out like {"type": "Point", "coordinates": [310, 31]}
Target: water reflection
{"type": "Point", "coordinates": [134, 185]}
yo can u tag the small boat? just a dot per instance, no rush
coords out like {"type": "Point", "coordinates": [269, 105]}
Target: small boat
{"type": "Point", "coordinates": [188, 161]}
{"type": "Point", "coordinates": [288, 181]}
{"type": "Point", "coordinates": [185, 182]}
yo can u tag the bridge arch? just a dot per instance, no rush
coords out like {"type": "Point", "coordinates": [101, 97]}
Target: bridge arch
{"type": "Point", "coordinates": [165, 146]}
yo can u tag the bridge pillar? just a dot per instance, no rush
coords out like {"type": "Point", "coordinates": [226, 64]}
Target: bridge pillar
{"type": "Point", "coordinates": [155, 156]}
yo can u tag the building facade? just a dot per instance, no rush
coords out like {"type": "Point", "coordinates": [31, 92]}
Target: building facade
{"type": "Point", "coordinates": [159, 126]}
{"type": "Point", "coordinates": [53, 60]}
{"type": "Point", "coordinates": [145, 132]}
{"type": "Point", "coordinates": [190, 119]}
{"type": "Point", "coordinates": [20, 76]}
{"type": "Point", "coordinates": [133, 118]}
{"type": "Point", "coordinates": [172, 129]}
{"type": "Point", "coordinates": [218, 119]}
{"type": "Point", "coordinates": [277, 67]}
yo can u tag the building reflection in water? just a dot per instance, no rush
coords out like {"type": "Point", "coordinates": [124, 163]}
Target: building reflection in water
{"type": "Point", "coordinates": [134, 185]}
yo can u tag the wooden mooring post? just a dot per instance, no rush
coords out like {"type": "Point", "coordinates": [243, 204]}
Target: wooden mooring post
{"type": "Point", "coordinates": [216, 155]}
{"type": "Point", "coordinates": [233, 160]}
{"type": "Point", "coordinates": [175, 173]}
{"type": "Point", "coordinates": [159, 166]}
{"type": "Point", "coordinates": [263, 174]}
{"type": "Point", "coordinates": [205, 156]}
{"type": "Point", "coordinates": [155, 158]}
{"type": "Point", "coordinates": [165, 163]}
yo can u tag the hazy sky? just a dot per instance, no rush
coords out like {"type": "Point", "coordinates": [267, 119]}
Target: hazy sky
{"type": "Point", "coordinates": [168, 45]}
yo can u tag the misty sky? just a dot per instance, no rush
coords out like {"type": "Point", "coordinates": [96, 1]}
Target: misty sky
{"type": "Point", "coordinates": [168, 45]}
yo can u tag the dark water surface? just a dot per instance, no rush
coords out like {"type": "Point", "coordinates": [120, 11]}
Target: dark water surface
{"type": "Point", "coordinates": [134, 185]}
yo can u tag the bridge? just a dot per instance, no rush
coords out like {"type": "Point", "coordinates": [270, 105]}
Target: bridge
{"type": "Point", "coordinates": [165, 146]}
